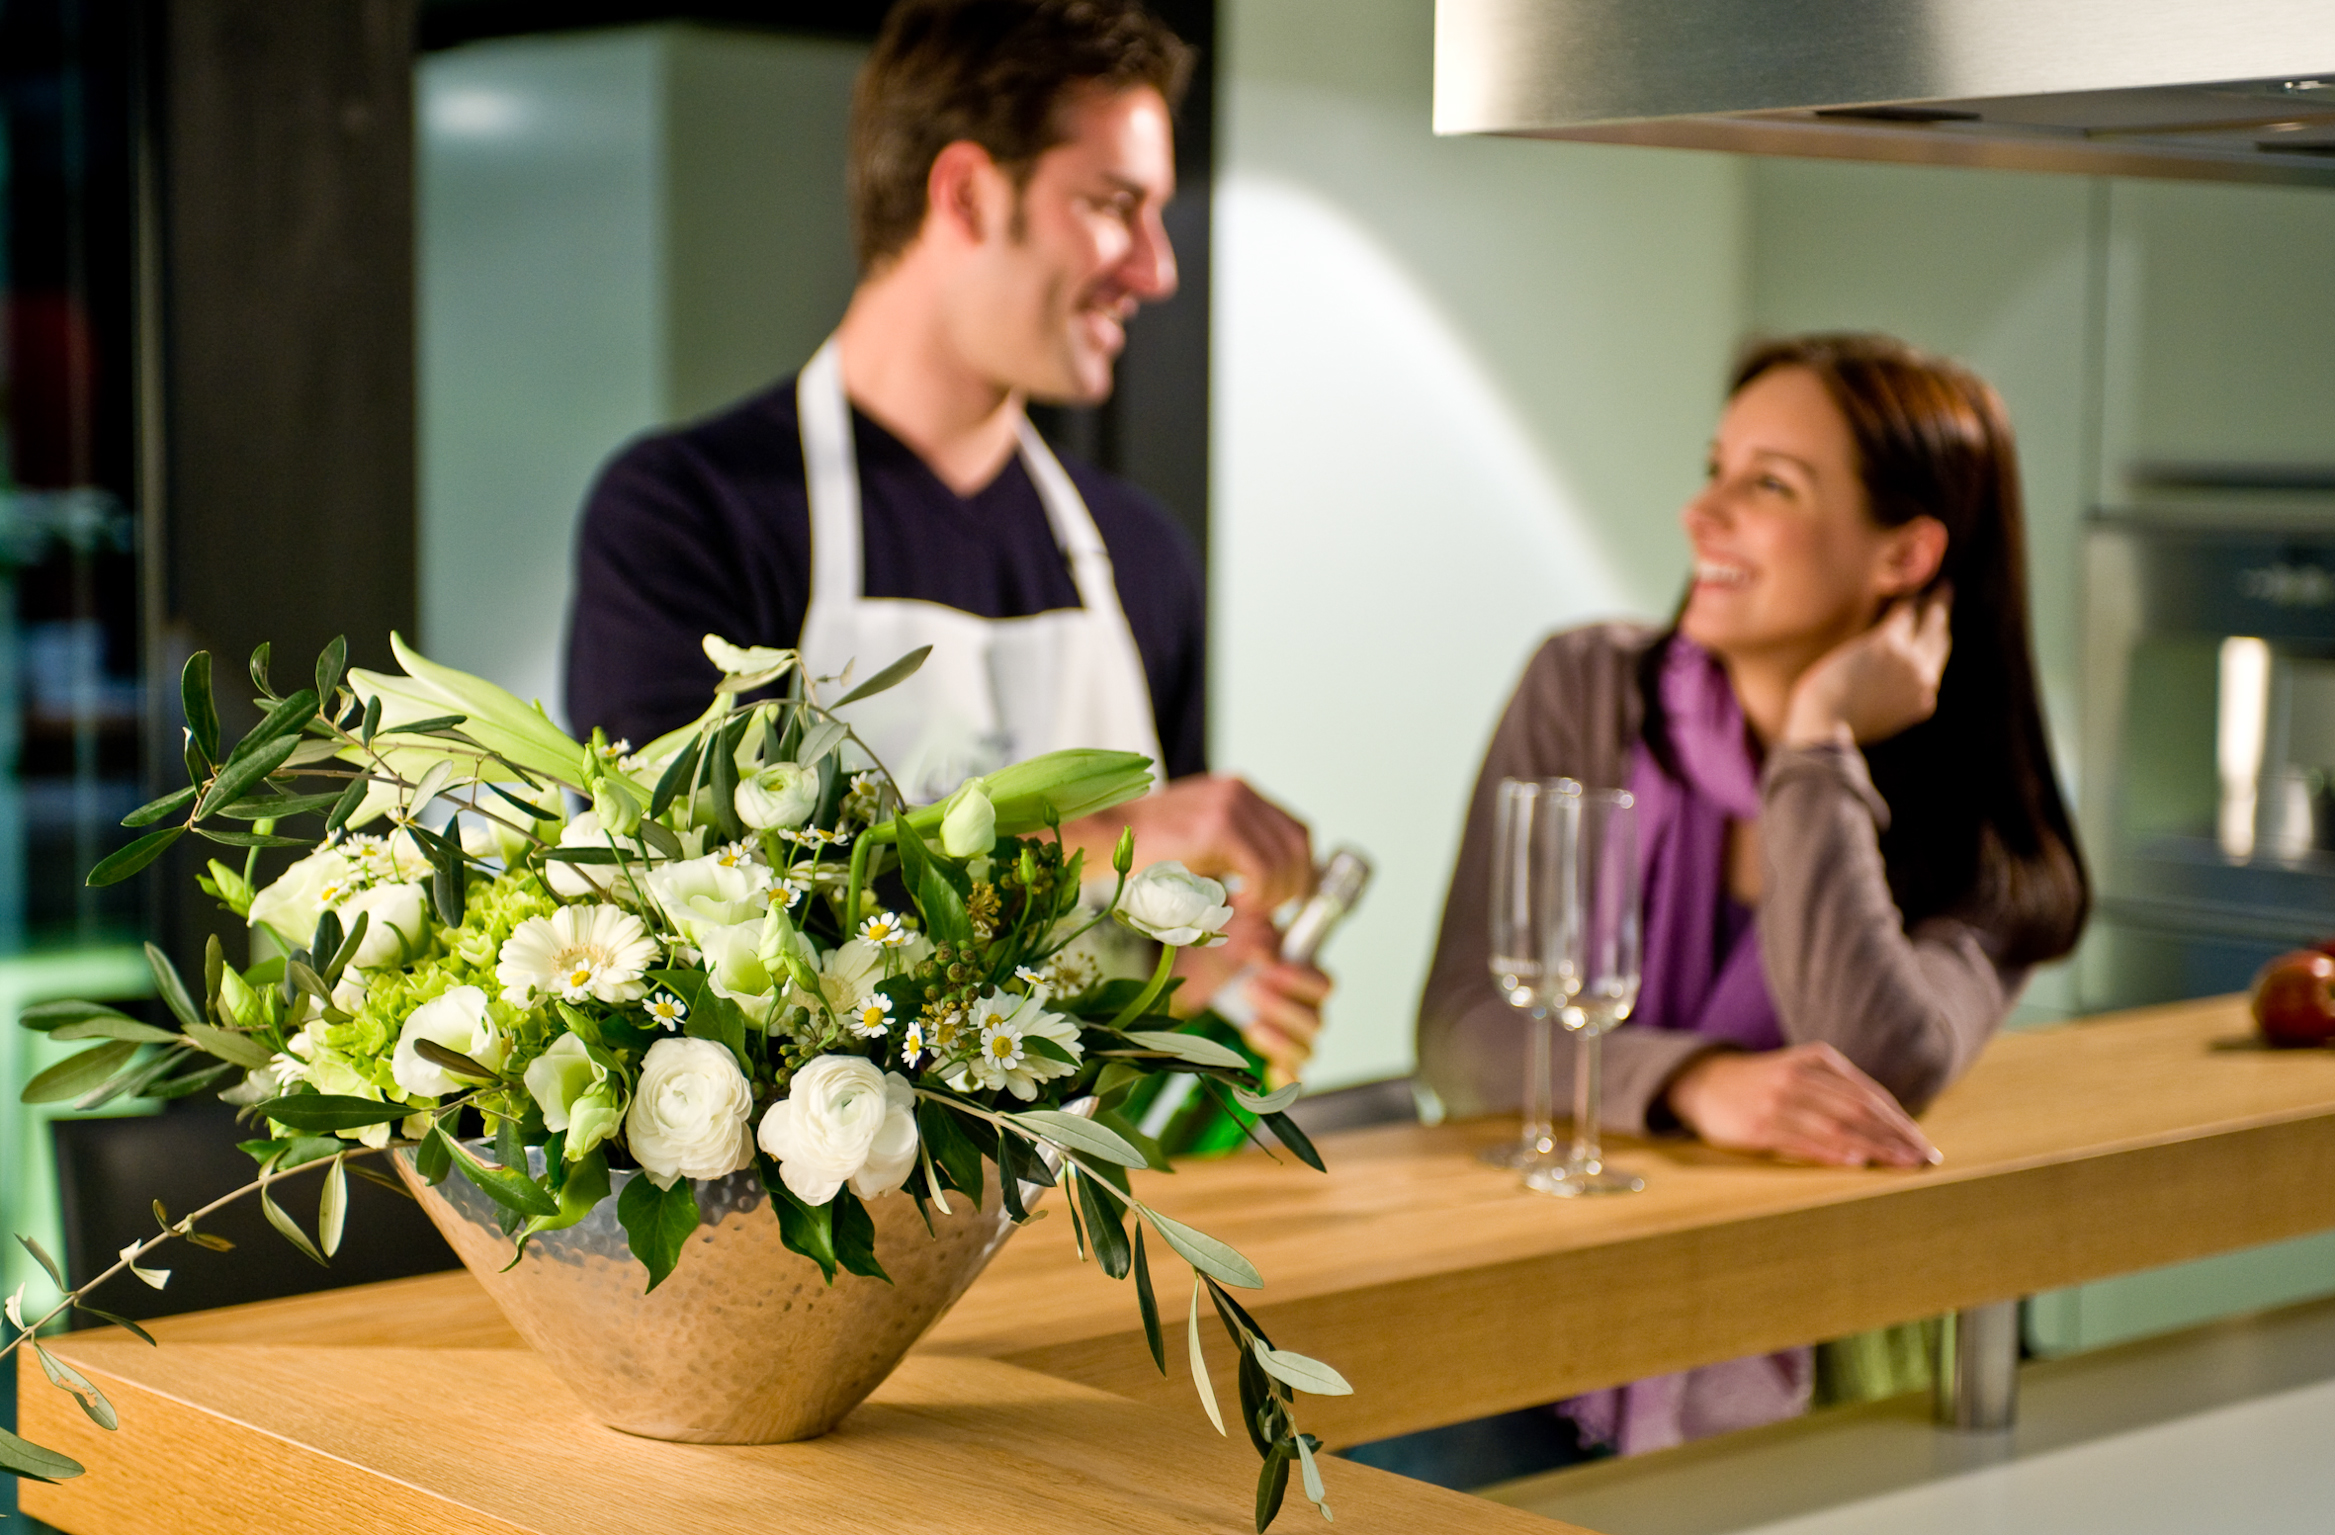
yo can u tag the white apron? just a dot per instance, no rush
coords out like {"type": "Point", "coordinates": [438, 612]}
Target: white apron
{"type": "Point", "coordinates": [994, 690]}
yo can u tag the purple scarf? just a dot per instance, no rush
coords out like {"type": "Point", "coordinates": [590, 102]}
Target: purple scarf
{"type": "Point", "coordinates": [1702, 974]}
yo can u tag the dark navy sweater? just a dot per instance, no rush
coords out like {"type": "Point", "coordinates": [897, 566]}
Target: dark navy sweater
{"type": "Point", "coordinates": [706, 529]}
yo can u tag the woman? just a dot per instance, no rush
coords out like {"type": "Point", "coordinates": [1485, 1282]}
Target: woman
{"type": "Point", "coordinates": [1853, 843]}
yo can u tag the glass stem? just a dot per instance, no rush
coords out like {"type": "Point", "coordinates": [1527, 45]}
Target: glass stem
{"type": "Point", "coordinates": [1539, 1107]}
{"type": "Point", "coordinates": [1588, 1094]}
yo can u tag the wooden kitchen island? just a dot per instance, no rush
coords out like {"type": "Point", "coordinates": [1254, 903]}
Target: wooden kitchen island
{"type": "Point", "coordinates": [1440, 1289]}
{"type": "Point", "coordinates": [1444, 1292]}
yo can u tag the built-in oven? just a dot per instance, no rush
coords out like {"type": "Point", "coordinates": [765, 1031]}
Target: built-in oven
{"type": "Point", "coordinates": [2207, 797]}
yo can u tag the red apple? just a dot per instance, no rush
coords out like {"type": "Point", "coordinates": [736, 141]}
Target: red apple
{"type": "Point", "coordinates": [2294, 998]}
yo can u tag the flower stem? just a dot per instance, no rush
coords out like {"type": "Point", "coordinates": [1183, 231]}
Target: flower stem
{"type": "Point", "coordinates": [1149, 994]}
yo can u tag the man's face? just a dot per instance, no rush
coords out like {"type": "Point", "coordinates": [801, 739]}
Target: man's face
{"type": "Point", "coordinates": [1043, 302]}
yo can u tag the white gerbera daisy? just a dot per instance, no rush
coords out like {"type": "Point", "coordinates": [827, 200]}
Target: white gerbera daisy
{"type": "Point", "coordinates": [577, 953]}
{"type": "Point", "coordinates": [871, 1016]}
{"type": "Point", "coordinates": [667, 1011]}
{"type": "Point", "coordinates": [886, 930]}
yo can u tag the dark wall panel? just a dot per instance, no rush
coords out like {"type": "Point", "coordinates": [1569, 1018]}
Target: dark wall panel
{"type": "Point", "coordinates": [282, 211]}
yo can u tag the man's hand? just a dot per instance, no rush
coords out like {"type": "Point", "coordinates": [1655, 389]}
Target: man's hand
{"type": "Point", "coordinates": [1212, 826]}
{"type": "Point", "coordinates": [1805, 1103]}
{"type": "Point", "coordinates": [1285, 1000]}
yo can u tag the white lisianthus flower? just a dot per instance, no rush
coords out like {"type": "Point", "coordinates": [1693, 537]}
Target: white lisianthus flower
{"type": "Point", "coordinates": [1003, 1024]}
{"type": "Point", "coordinates": [577, 880]}
{"type": "Point", "coordinates": [456, 1019]}
{"type": "Point", "coordinates": [842, 1121]}
{"type": "Point", "coordinates": [780, 794]}
{"type": "Point", "coordinates": [577, 953]}
{"type": "Point", "coordinates": [970, 826]}
{"type": "Point", "coordinates": [734, 964]}
{"type": "Point", "coordinates": [397, 921]}
{"type": "Point", "coordinates": [714, 891]}
{"type": "Point", "coordinates": [689, 1115]}
{"type": "Point", "coordinates": [290, 906]}
{"type": "Point", "coordinates": [575, 1094]}
{"type": "Point", "coordinates": [1172, 904]}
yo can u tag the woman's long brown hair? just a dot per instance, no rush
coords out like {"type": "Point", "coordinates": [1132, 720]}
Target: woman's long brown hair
{"type": "Point", "coordinates": [1976, 823]}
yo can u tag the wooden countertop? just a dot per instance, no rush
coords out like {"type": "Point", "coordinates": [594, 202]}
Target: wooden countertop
{"type": "Point", "coordinates": [1440, 1289]}
{"type": "Point", "coordinates": [1444, 1292]}
{"type": "Point", "coordinates": [467, 1431]}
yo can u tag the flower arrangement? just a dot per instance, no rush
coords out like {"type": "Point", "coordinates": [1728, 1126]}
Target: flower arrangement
{"type": "Point", "coordinates": [747, 953]}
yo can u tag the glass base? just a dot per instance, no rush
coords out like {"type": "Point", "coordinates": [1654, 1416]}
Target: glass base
{"type": "Point", "coordinates": [1519, 1155]}
{"type": "Point", "coordinates": [1578, 1183]}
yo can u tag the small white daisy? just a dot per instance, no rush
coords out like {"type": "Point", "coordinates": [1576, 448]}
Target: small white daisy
{"type": "Point", "coordinates": [913, 1043]}
{"type": "Point", "coordinates": [737, 855]}
{"type": "Point", "coordinates": [668, 1010]}
{"type": "Point", "coordinates": [871, 1017]}
{"type": "Point", "coordinates": [886, 930]}
{"type": "Point", "coordinates": [1001, 1044]}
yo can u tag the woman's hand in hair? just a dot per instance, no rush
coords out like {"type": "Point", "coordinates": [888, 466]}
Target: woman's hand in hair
{"type": "Point", "coordinates": [1804, 1103]}
{"type": "Point", "coordinates": [1883, 681]}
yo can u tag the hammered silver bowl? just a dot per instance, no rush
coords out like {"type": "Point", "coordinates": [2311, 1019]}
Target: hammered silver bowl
{"type": "Point", "coordinates": [744, 1342]}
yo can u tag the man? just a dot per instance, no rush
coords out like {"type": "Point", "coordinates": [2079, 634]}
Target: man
{"type": "Point", "coordinates": [1009, 162]}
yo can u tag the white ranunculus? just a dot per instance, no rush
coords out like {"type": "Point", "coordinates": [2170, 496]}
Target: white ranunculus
{"type": "Point", "coordinates": [575, 1094]}
{"type": "Point", "coordinates": [970, 826]}
{"type": "Point", "coordinates": [714, 891]}
{"type": "Point", "coordinates": [578, 953]}
{"type": "Point", "coordinates": [290, 906]}
{"type": "Point", "coordinates": [842, 1121]}
{"type": "Point", "coordinates": [779, 794]}
{"type": "Point", "coordinates": [397, 920]}
{"type": "Point", "coordinates": [1172, 904]}
{"type": "Point", "coordinates": [458, 1020]}
{"type": "Point", "coordinates": [690, 1113]}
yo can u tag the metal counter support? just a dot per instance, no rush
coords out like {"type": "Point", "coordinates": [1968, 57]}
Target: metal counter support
{"type": "Point", "coordinates": [1978, 1368]}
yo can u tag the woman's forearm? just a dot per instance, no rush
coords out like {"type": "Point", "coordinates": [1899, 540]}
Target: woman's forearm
{"type": "Point", "coordinates": [1912, 1010]}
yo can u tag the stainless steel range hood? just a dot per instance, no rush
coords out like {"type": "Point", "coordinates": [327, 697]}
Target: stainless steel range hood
{"type": "Point", "coordinates": [2240, 90]}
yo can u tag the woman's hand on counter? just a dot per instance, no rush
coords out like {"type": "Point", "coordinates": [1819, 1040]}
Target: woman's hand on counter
{"type": "Point", "coordinates": [1882, 682]}
{"type": "Point", "coordinates": [1805, 1103]}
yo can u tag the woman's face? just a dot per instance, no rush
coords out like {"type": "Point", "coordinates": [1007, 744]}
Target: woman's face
{"type": "Point", "coordinates": [1788, 561]}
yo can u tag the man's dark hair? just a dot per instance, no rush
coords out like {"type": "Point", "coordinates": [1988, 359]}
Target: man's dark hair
{"type": "Point", "coordinates": [997, 73]}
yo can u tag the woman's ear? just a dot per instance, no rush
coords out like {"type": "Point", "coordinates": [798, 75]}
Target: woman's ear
{"type": "Point", "coordinates": [1911, 556]}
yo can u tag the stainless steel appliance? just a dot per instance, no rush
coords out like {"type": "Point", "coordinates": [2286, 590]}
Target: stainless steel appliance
{"type": "Point", "coordinates": [2228, 89]}
{"type": "Point", "coordinates": [2208, 752]}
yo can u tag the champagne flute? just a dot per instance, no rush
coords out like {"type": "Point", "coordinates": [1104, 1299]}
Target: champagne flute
{"type": "Point", "coordinates": [1596, 942]}
{"type": "Point", "coordinates": [1532, 821]}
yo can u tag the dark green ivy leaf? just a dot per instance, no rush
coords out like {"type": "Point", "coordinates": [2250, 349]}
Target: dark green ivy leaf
{"type": "Point", "coordinates": [804, 1228]}
{"type": "Point", "coordinates": [855, 1236]}
{"type": "Point", "coordinates": [656, 1222]}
